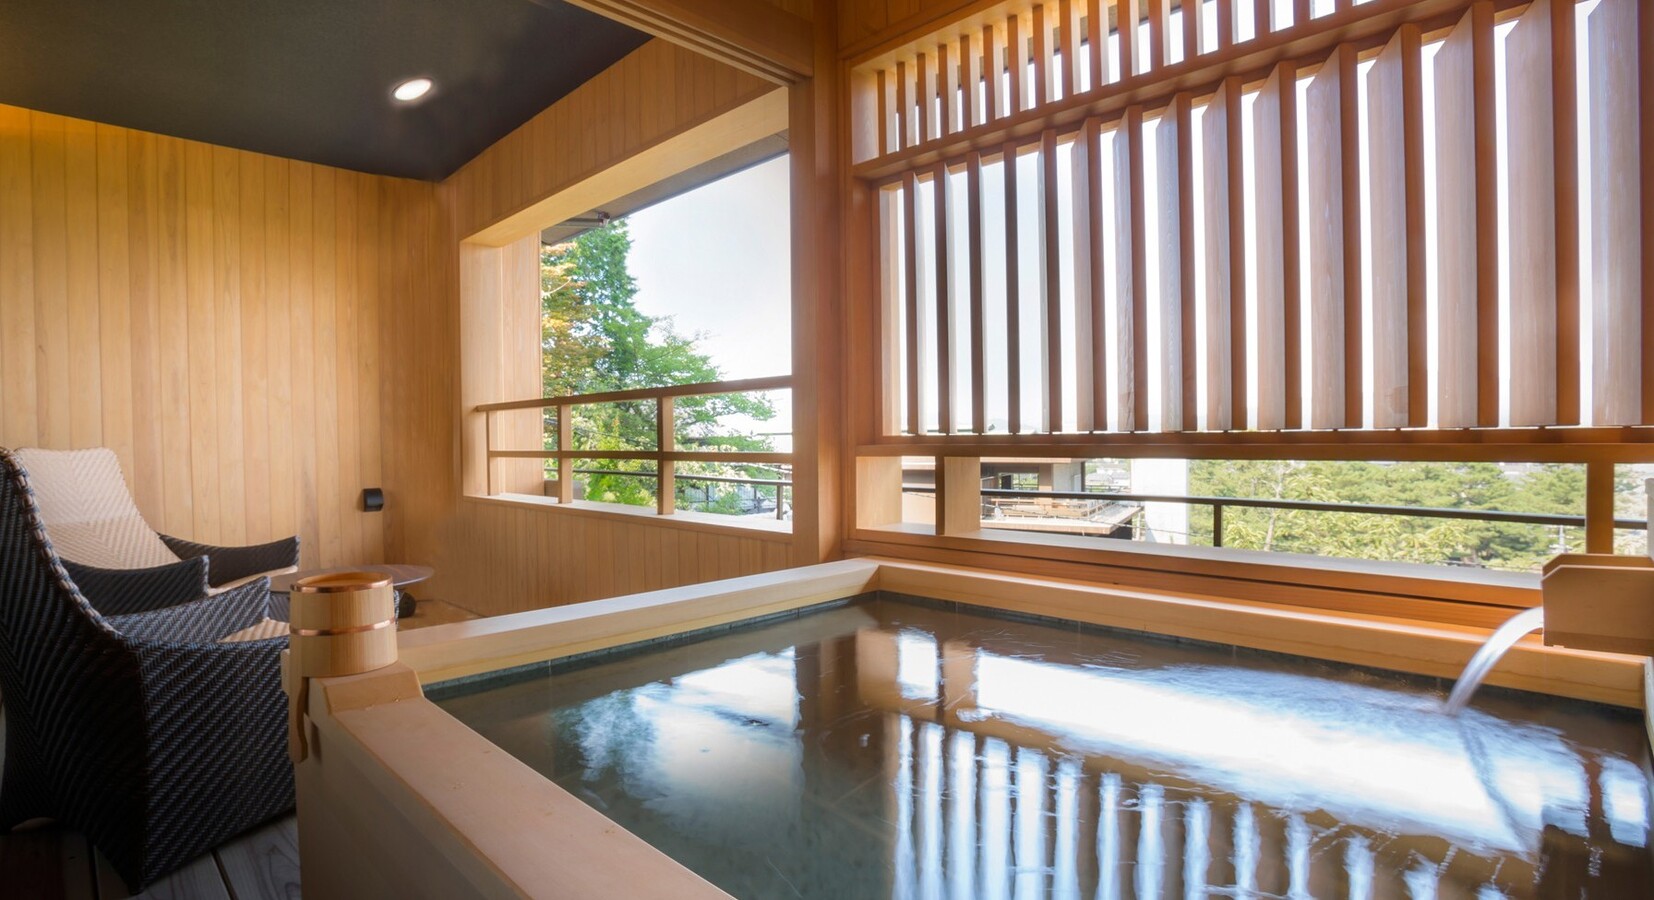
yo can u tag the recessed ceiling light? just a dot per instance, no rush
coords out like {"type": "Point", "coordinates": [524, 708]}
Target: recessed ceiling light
{"type": "Point", "coordinates": [412, 89]}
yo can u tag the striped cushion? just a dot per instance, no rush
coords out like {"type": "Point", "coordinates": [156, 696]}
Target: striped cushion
{"type": "Point", "coordinates": [88, 512]}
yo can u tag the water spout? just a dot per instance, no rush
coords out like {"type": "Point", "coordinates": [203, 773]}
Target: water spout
{"type": "Point", "coordinates": [1515, 628]}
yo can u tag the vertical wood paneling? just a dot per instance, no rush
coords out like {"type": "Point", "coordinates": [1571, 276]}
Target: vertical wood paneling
{"type": "Point", "coordinates": [1324, 229]}
{"type": "Point", "coordinates": [51, 278]}
{"type": "Point", "coordinates": [1616, 230]}
{"type": "Point", "coordinates": [1486, 176]}
{"type": "Point", "coordinates": [148, 278]}
{"type": "Point", "coordinates": [1458, 269]}
{"type": "Point", "coordinates": [18, 403]}
{"type": "Point", "coordinates": [114, 309]}
{"type": "Point", "coordinates": [1531, 186]}
{"type": "Point", "coordinates": [81, 269]}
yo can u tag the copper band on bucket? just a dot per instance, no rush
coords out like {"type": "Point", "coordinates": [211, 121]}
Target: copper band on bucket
{"type": "Point", "coordinates": [324, 632]}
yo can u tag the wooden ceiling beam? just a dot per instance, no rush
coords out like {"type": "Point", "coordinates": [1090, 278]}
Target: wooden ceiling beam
{"type": "Point", "coordinates": [751, 35]}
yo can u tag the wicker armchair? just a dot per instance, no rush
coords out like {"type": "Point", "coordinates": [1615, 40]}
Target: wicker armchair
{"type": "Point", "coordinates": [144, 730]}
{"type": "Point", "coordinates": [120, 563]}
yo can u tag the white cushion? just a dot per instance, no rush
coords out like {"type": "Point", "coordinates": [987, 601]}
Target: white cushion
{"type": "Point", "coordinates": [88, 511]}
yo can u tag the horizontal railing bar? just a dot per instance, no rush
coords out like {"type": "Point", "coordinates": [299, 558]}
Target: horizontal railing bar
{"type": "Point", "coordinates": [724, 479]}
{"type": "Point", "coordinates": [707, 388]}
{"type": "Point", "coordinates": [732, 456]}
{"type": "Point", "coordinates": [1423, 512]}
{"type": "Point", "coordinates": [1630, 444]}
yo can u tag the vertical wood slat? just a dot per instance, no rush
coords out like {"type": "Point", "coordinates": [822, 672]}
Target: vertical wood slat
{"type": "Point", "coordinates": [1169, 299]}
{"type": "Point", "coordinates": [1193, 24]}
{"type": "Point", "coordinates": [1616, 191]}
{"type": "Point", "coordinates": [882, 102]}
{"type": "Point", "coordinates": [1485, 172]}
{"type": "Point", "coordinates": [1096, 36]}
{"type": "Point", "coordinates": [1157, 34]}
{"type": "Point", "coordinates": [973, 181]}
{"type": "Point", "coordinates": [1137, 299]}
{"type": "Point", "coordinates": [1645, 134]}
{"type": "Point", "coordinates": [1290, 244]}
{"type": "Point", "coordinates": [1324, 229]}
{"type": "Point", "coordinates": [890, 210]}
{"type": "Point", "coordinates": [1226, 24]}
{"type": "Point", "coordinates": [1016, 65]}
{"type": "Point", "coordinates": [1127, 15]}
{"type": "Point", "coordinates": [1565, 151]}
{"type": "Point", "coordinates": [948, 89]}
{"type": "Point", "coordinates": [910, 298]}
{"type": "Point", "coordinates": [1350, 169]}
{"type": "Point", "coordinates": [1418, 286]}
{"type": "Point", "coordinates": [1051, 283]}
{"type": "Point", "coordinates": [1013, 300]}
{"type": "Point", "coordinates": [973, 48]}
{"type": "Point", "coordinates": [1260, 18]}
{"type": "Point", "coordinates": [1044, 74]}
{"type": "Point", "coordinates": [1276, 217]}
{"type": "Point", "coordinates": [666, 485]}
{"type": "Point", "coordinates": [904, 107]}
{"type": "Point", "coordinates": [993, 56]}
{"type": "Point", "coordinates": [926, 94]}
{"type": "Point", "coordinates": [1458, 232]}
{"type": "Point", "coordinates": [1090, 325]}
{"type": "Point", "coordinates": [942, 193]}
{"type": "Point", "coordinates": [1125, 281]}
{"type": "Point", "coordinates": [1394, 260]}
{"type": "Point", "coordinates": [1532, 219]}
{"type": "Point", "coordinates": [1221, 288]}
{"type": "Point", "coordinates": [1068, 44]}
{"type": "Point", "coordinates": [1183, 112]}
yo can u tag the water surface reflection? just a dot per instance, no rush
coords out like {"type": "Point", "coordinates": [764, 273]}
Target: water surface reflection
{"type": "Point", "coordinates": [896, 749]}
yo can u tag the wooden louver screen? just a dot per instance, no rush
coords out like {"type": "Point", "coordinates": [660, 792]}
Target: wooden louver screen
{"type": "Point", "coordinates": [1437, 224]}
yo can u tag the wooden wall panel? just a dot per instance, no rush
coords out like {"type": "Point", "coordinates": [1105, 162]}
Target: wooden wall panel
{"type": "Point", "coordinates": [656, 91]}
{"type": "Point", "coordinates": [496, 557]}
{"type": "Point", "coordinates": [199, 310]}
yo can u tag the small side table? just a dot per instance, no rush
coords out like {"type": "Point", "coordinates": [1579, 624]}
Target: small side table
{"type": "Point", "coordinates": [400, 575]}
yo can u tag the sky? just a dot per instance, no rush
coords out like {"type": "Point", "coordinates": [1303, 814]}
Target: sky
{"type": "Point", "coordinates": [718, 262]}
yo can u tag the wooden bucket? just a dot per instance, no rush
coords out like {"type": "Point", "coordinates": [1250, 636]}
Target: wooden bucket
{"type": "Point", "coordinates": [341, 624]}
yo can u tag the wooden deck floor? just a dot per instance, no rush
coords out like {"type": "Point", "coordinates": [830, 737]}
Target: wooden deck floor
{"type": "Point", "coordinates": [42, 861]}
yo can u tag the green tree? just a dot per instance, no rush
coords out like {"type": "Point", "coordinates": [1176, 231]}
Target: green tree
{"type": "Point", "coordinates": [1540, 489]}
{"type": "Point", "coordinates": [594, 339]}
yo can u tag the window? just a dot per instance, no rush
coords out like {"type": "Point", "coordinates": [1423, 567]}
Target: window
{"type": "Point", "coordinates": [691, 289]}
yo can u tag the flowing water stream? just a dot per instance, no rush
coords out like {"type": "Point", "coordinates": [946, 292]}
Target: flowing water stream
{"type": "Point", "coordinates": [1515, 628]}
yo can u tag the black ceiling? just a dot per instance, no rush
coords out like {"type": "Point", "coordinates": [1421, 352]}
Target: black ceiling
{"type": "Point", "coordinates": [307, 79]}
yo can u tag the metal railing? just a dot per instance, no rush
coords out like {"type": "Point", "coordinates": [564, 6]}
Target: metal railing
{"type": "Point", "coordinates": [1218, 504]}
{"type": "Point", "coordinates": [781, 485]}
{"type": "Point", "coordinates": [664, 456]}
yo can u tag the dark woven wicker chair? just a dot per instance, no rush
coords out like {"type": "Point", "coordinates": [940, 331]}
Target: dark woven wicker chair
{"type": "Point", "coordinates": [140, 730]}
{"type": "Point", "coordinates": [119, 562]}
